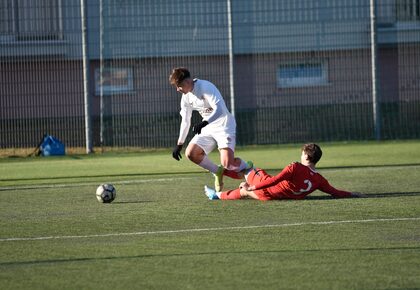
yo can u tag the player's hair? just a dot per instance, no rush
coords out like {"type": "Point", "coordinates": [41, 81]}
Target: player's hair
{"type": "Point", "coordinates": [313, 151]}
{"type": "Point", "coordinates": [178, 75]}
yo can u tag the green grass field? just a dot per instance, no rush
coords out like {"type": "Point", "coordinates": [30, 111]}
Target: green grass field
{"type": "Point", "coordinates": [163, 233]}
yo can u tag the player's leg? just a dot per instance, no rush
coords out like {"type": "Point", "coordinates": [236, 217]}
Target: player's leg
{"type": "Point", "coordinates": [256, 175]}
{"type": "Point", "coordinates": [198, 150]}
{"type": "Point", "coordinates": [226, 142]}
{"type": "Point", "coordinates": [233, 174]}
{"type": "Point", "coordinates": [238, 175]}
{"type": "Point", "coordinates": [251, 194]}
{"type": "Point", "coordinates": [253, 177]}
{"type": "Point", "coordinates": [230, 162]}
{"type": "Point", "coordinates": [230, 194]}
{"type": "Point", "coordinates": [238, 193]}
{"type": "Point", "coordinates": [230, 166]}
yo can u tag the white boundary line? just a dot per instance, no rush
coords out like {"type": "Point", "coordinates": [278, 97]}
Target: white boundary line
{"type": "Point", "coordinates": [64, 185]}
{"type": "Point", "coordinates": [208, 229]}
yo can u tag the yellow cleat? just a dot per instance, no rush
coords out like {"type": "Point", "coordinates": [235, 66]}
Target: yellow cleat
{"type": "Point", "coordinates": [218, 178]}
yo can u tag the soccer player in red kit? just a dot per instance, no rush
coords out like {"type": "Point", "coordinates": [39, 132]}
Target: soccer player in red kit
{"type": "Point", "coordinates": [295, 181]}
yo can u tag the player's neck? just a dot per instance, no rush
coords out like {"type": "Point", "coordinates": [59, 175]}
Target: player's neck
{"type": "Point", "coordinates": [309, 164]}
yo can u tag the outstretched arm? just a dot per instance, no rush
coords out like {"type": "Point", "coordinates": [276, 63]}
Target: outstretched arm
{"type": "Point", "coordinates": [327, 188]}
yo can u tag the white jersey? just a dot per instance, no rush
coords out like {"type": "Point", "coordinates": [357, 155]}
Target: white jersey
{"type": "Point", "coordinates": [208, 101]}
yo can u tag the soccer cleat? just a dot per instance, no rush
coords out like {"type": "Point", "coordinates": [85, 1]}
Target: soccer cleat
{"type": "Point", "coordinates": [210, 192]}
{"type": "Point", "coordinates": [218, 178]}
{"type": "Point", "coordinates": [250, 165]}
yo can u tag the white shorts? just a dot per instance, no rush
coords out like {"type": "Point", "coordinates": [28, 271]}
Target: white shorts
{"type": "Point", "coordinates": [208, 142]}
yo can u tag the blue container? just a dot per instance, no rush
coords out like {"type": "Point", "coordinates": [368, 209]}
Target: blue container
{"type": "Point", "coordinates": [51, 146]}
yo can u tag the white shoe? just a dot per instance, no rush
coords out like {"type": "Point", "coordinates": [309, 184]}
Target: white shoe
{"type": "Point", "coordinates": [210, 192]}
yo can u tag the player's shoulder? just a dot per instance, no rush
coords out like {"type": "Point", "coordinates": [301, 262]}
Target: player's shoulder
{"type": "Point", "coordinates": [200, 82]}
{"type": "Point", "coordinates": [203, 84]}
{"type": "Point", "coordinates": [295, 164]}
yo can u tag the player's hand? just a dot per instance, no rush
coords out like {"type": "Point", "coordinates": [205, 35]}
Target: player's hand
{"type": "Point", "coordinates": [251, 188]}
{"type": "Point", "coordinates": [243, 185]}
{"type": "Point", "coordinates": [197, 127]}
{"type": "Point", "coordinates": [176, 153]}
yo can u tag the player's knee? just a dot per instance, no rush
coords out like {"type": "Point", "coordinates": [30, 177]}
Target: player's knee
{"type": "Point", "coordinates": [192, 157]}
{"type": "Point", "coordinates": [190, 154]}
{"type": "Point", "coordinates": [230, 166]}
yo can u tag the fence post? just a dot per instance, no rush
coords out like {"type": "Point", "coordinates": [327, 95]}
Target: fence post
{"type": "Point", "coordinates": [231, 55]}
{"type": "Point", "coordinates": [101, 72]}
{"type": "Point", "coordinates": [85, 51]}
{"type": "Point", "coordinates": [375, 78]}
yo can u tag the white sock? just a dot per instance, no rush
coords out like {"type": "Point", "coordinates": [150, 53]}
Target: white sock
{"type": "Point", "coordinates": [247, 174]}
{"type": "Point", "coordinates": [206, 163]}
{"type": "Point", "coordinates": [242, 166]}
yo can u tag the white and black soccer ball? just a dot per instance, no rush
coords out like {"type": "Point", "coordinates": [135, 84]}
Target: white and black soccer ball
{"type": "Point", "coordinates": [106, 193]}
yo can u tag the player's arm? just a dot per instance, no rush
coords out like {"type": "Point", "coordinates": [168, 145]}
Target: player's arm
{"type": "Point", "coordinates": [285, 174]}
{"type": "Point", "coordinates": [186, 114]}
{"type": "Point", "coordinates": [245, 192]}
{"type": "Point", "coordinates": [185, 125]}
{"type": "Point", "coordinates": [326, 187]}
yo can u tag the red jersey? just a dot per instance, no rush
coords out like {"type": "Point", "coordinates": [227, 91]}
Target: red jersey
{"type": "Point", "coordinates": [295, 181]}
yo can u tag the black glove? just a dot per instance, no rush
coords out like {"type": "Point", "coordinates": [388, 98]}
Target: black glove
{"type": "Point", "coordinates": [197, 127]}
{"type": "Point", "coordinates": [176, 153]}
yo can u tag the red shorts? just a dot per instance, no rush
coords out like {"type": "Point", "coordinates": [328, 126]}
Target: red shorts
{"type": "Point", "coordinates": [256, 176]}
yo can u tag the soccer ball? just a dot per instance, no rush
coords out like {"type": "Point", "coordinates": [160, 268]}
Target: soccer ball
{"type": "Point", "coordinates": [106, 193]}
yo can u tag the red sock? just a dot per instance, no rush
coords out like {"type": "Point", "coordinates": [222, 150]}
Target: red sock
{"type": "Point", "coordinates": [233, 174]}
{"type": "Point", "coordinates": [231, 194]}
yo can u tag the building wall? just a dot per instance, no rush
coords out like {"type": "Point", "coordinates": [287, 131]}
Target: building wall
{"type": "Point", "coordinates": [41, 89]}
{"type": "Point", "coordinates": [41, 85]}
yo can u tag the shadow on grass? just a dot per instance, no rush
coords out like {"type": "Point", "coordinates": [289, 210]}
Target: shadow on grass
{"type": "Point", "coordinates": [370, 166]}
{"type": "Point", "coordinates": [393, 194]}
{"type": "Point", "coordinates": [145, 256]}
{"type": "Point", "coordinates": [131, 201]}
{"type": "Point", "coordinates": [370, 195]}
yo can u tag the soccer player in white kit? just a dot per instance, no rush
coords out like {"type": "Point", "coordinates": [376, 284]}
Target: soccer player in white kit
{"type": "Point", "coordinates": [217, 129]}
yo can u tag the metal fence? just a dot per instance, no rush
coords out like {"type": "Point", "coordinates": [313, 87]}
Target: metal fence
{"type": "Point", "coordinates": [95, 73]}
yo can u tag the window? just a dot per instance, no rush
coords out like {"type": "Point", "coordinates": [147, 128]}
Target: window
{"type": "Point", "coordinates": [115, 80]}
{"type": "Point", "coordinates": [408, 10]}
{"type": "Point", "coordinates": [302, 74]}
{"type": "Point", "coordinates": [7, 27]}
{"type": "Point", "coordinates": [24, 20]}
